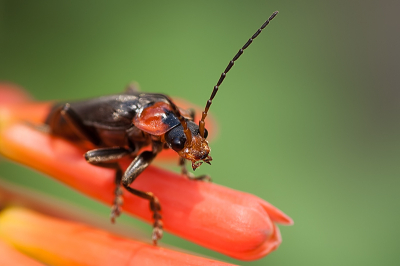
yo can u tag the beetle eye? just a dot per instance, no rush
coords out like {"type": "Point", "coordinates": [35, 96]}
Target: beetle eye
{"type": "Point", "coordinates": [205, 133]}
{"type": "Point", "coordinates": [177, 144]}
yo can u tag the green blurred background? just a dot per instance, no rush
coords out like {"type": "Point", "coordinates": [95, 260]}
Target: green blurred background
{"type": "Point", "coordinates": [308, 117]}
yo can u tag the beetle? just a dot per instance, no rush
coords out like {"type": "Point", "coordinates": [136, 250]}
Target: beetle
{"type": "Point", "coordinates": [122, 124]}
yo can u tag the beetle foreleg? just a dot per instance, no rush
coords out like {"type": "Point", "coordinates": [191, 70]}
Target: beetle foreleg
{"type": "Point", "coordinates": [107, 157]}
{"type": "Point", "coordinates": [155, 207]}
{"type": "Point", "coordinates": [132, 172]}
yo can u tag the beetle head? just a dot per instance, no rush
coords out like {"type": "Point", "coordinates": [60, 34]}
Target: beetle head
{"type": "Point", "coordinates": [196, 150]}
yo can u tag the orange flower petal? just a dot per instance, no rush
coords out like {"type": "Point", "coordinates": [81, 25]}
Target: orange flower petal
{"type": "Point", "coordinates": [25, 112]}
{"type": "Point", "coordinates": [234, 223]}
{"type": "Point", "coordinates": [16, 195]}
{"type": "Point", "coordinates": [60, 242]}
{"type": "Point", "coordinates": [10, 256]}
{"type": "Point", "coordinates": [11, 93]}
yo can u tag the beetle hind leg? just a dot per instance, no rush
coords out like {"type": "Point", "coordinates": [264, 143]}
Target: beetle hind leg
{"type": "Point", "coordinates": [77, 124]}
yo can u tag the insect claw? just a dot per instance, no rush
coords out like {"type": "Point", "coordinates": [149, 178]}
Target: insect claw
{"type": "Point", "coordinates": [208, 163]}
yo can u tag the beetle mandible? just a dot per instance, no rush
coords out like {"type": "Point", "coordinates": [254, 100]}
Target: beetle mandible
{"type": "Point", "coordinates": [120, 125]}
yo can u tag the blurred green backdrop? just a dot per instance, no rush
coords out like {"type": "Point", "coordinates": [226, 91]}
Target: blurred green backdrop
{"type": "Point", "coordinates": [308, 117]}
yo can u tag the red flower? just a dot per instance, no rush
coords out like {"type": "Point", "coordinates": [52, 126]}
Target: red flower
{"type": "Point", "coordinates": [234, 223]}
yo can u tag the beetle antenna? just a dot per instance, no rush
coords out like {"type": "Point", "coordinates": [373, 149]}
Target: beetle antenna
{"type": "Point", "coordinates": [230, 65]}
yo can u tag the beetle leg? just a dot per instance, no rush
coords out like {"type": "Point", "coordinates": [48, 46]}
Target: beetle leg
{"type": "Point", "coordinates": [76, 123]}
{"type": "Point", "coordinates": [132, 172]}
{"type": "Point", "coordinates": [132, 88]}
{"type": "Point", "coordinates": [108, 157]}
{"type": "Point", "coordinates": [105, 155]}
{"type": "Point", "coordinates": [188, 113]}
{"type": "Point", "coordinates": [54, 116]}
{"type": "Point", "coordinates": [185, 172]}
{"type": "Point", "coordinates": [192, 113]}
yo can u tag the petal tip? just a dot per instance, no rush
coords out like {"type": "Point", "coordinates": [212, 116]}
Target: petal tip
{"type": "Point", "coordinates": [275, 214]}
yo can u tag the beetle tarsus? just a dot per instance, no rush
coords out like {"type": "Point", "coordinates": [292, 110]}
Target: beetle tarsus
{"type": "Point", "coordinates": [158, 224]}
{"type": "Point", "coordinates": [156, 235]}
{"type": "Point", "coordinates": [117, 203]}
{"type": "Point", "coordinates": [189, 175]}
{"type": "Point", "coordinates": [204, 178]}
